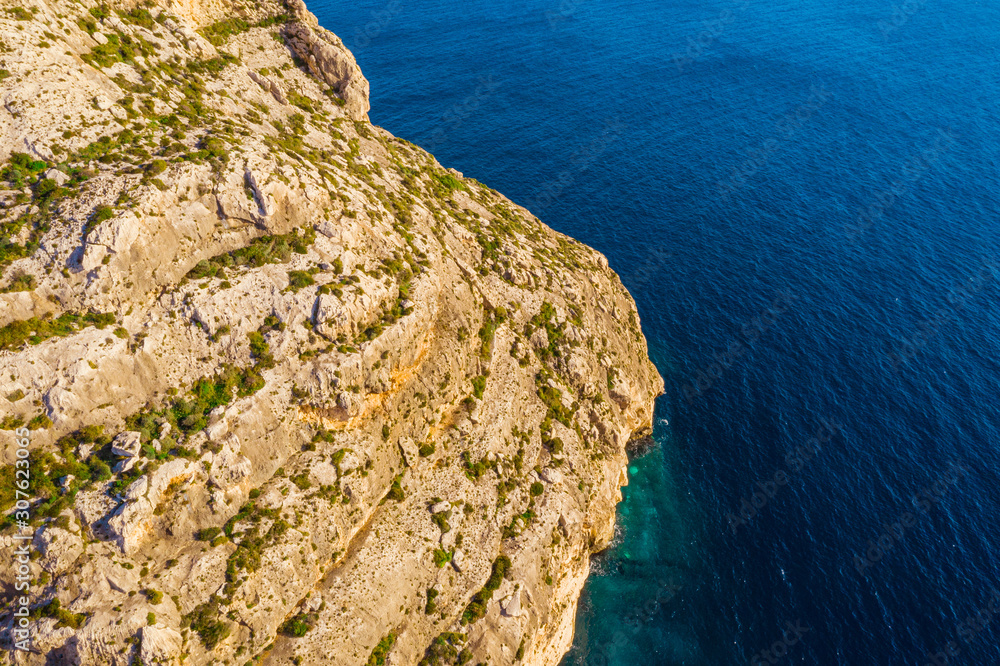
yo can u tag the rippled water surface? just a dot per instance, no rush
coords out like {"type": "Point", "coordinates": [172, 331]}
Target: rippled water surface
{"type": "Point", "coordinates": [803, 199]}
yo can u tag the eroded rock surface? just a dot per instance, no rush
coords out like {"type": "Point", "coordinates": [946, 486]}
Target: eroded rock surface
{"type": "Point", "coordinates": [295, 391]}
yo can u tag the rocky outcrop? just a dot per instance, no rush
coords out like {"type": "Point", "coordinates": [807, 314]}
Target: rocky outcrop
{"type": "Point", "coordinates": [131, 523]}
{"type": "Point", "coordinates": [327, 57]}
{"type": "Point", "coordinates": [296, 391]}
{"type": "Point", "coordinates": [160, 646]}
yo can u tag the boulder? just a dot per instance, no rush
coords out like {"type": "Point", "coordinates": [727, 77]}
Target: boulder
{"type": "Point", "coordinates": [441, 507]}
{"type": "Point", "coordinates": [410, 452]}
{"type": "Point", "coordinates": [230, 466]}
{"type": "Point", "coordinates": [59, 548]}
{"type": "Point", "coordinates": [93, 506]}
{"type": "Point", "coordinates": [131, 524]}
{"type": "Point", "coordinates": [93, 257]}
{"type": "Point", "coordinates": [350, 462]}
{"type": "Point", "coordinates": [511, 605]}
{"type": "Point", "coordinates": [458, 560]}
{"type": "Point", "coordinates": [271, 86]}
{"type": "Point", "coordinates": [328, 229]}
{"type": "Point", "coordinates": [58, 176]}
{"type": "Point", "coordinates": [127, 444]}
{"type": "Point", "coordinates": [216, 431]}
{"type": "Point", "coordinates": [116, 234]}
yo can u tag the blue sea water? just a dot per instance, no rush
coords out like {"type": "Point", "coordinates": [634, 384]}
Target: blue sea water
{"type": "Point", "coordinates": [803, 197]}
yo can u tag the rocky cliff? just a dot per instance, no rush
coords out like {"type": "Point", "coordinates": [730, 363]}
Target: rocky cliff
{"type": "Point", "coordinates": [294, 391]}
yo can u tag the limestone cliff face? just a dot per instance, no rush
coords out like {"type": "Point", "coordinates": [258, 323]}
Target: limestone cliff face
{"type": "Point", "coordinates": [295, 391]}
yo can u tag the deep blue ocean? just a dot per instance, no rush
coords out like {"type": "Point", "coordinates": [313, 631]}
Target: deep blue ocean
{"type": "Point", "coordinates": [804, 199]}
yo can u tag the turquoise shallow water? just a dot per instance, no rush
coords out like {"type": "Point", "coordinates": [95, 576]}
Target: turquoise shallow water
{"type": "Point", "coordinates": [803, 199]}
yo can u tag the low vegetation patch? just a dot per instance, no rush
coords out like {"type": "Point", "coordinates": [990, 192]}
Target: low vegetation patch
{"type": "Point", "coordinates": [298, 625]}
{"type": "Point", "coordinates": [260, 252]}
{"type": "Point", "coordinates": [204, 621]}
{"type": "Point", "coordinates": [447, 650]}
{"type": "Point", "coordinates": [476, 609]}
{"type": "Point", "coordinates": [381, 651]}
{"type": "Point", "coordinates": [20, 283]}
{"type": "Point", "coordinates": [38, 329]}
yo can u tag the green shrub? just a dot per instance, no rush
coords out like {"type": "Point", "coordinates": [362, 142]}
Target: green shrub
{"type": "Point", "coordinates": [431, 605]}
{"type": "Point", "coordinates": [474, 470]}
{"type": "Point", "coordinates": [119, 48]}
{"type": "Point", "coordinates": [208, 533]}
{"type": "Point", "coordinates": [555, 445]}
{"type": "Point", "coordinates": [100, 214]}
{"type": "Point", "coordinates": [442, 557]}
{"type": "Point", "coordinates": [65, 617]}
{"type": "Point", "coordinates": [99, 470]}
{"type": "Point", "coordinates": [381, 651]}
{"type": "Point", "coordinates": [39, 421]}
{"type": "Point", "coordinates": [537, 489]}
{"type": "Point", "coordinates": [297, 626]}
{"type": "Point", "coordinates": [20, 283]}
{"type": "Point", "coordinates": [260, 350]}
{"type": "Point", "coordinates": [396, 493]}
{"type": "Point", "coordinates": [476, 609]}
{"type": "Point", "coordinates": [301, 480]}
{"type": "Point", "coordinates": [45, 188]}
{"type": "Point", "coordinates": [304, 103]}
{"type": "Point", "coordinates": [449, 182]}
{"type": "Point", "coordinates": [19, 13]}
{"type": "Point", "coordinates": [299, 280]}
{"type": "Point", "coordinates": [478, 386]}
{"type": "Point", "coordinates": [204, 621]}
{"type": "Point", "coordinates": [441, 520]}
{"type": "Point", "coordinates": [443, 651]}
{"type": "Point", "coordinates": [21, 168]}
{"type": "Point", "coordinates": [155, 168]}
{"type": "Point", "coordinates": [139, 16]}
{"type": "Point", "coordinates": [260, 252]}
{"type": "Point", "coordinates": [219, 33]}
